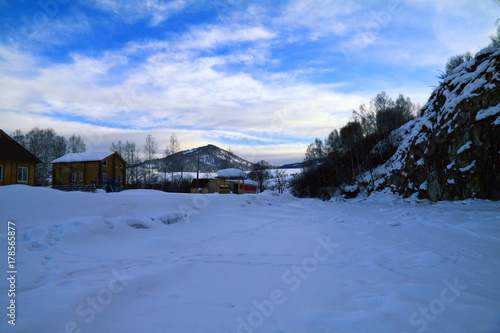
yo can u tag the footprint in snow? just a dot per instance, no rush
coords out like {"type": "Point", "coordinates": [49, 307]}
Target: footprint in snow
{"type": "Point", "coordinates": [54, 235]}
{"type": "Point", "coordinates": [52, 269]}
{"type": "Point", "coordinates": [36, 246]}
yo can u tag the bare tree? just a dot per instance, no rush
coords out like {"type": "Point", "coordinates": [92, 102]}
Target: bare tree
{"type": "Point", "coordinates": [173, 144]}
{"type": "Point", "coordinates": [281, 180]}
{"type": "Point", "coordinates": [367, 118]}
{"type": "Point", "coordinates": [47, 146]}
{"type": "Point", "coordinates": [172, 148]}
{"type": "Point", "coordinates": [150, 148]}
{"type": "Point", "coordinates": [316, 150]}
{"type": "Point", "coordinates": [457, 60]}
{"type": "Point", "coordinates": [495, 38]}
{"type": "Point", "coordinates": [131, 155]}
{"type": "Point", "coordinates": [76, 144]}
{"type": "Point", "coordinates": [19, 137]}
{"type": "Point", "coordinates": [119, 148]}
{"type": "Point", "coordinates": [260, 173]}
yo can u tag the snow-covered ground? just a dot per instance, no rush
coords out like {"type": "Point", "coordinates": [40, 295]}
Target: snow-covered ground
{"type": "Point", "coordinates": [147, 261]}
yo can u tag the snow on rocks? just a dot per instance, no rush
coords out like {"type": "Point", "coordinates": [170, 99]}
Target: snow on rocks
{"type": "Point", "coordinates": [464, 148]}
{"type": "Point", "coordinates": [491, 111]}
{"type": "Point", "coordinates": [455, 131]}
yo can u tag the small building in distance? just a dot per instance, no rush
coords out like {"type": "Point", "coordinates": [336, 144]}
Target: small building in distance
{"type": "Point", "coordinates": [17, 164]}
{"type": "Point", "coordinates": [205, 185]}
{"type": "Point", "coordinates": [227, 181]}
{"type": "Point", "coordinates": [89, 171]}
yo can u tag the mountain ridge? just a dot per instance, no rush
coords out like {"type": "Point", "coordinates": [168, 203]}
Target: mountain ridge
{"type": "Point", "coordinates": [211, 159]}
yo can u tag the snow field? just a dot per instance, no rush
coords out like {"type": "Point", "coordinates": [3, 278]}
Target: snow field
{"type": "Point", "coordinates": [148, 261]}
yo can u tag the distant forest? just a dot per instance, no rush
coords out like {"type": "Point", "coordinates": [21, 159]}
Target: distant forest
{"type": "Point", "coordinates": [336, 160]}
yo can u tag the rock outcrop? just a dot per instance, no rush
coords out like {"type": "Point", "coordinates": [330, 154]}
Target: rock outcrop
{"type": "Point", "coordinates": [451, 151]}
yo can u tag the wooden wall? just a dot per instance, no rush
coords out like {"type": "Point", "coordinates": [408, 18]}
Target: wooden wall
{"type": "Point", "coordinates": [9, 176]}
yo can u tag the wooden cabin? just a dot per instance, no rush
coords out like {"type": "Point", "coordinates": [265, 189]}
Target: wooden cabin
{"type": "Point", "coordinates": [89, 171]}
{"type": "Point", "coordinates": [227, 181]}
{"type": "Point", "coordinates": [17, 164]}
{"type": "Point", "coordinates": [205, 185]}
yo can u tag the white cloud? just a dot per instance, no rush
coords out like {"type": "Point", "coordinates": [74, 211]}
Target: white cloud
{"type": "Point", "coordinates": [130, 11]}
{"type": "Point", "coordinates": [320, 17]}
{"type": "Point", "coordinates": [214, 36]}
{"type": "Point", "coordinates": [175, 92]}
{"type": "Point", "coordinates": [42, 29]}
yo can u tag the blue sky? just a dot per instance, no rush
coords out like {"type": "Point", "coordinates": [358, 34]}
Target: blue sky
{"type": "Point", "coordinates": [262, 77]}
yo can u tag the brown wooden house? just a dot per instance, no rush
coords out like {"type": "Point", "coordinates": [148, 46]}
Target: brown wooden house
{"type": "Point", "coordinates": [205, 185]}
{"type": "Point", "coordinates": [227, 181]}
{"type": "Point", "coordinates": [89, 171]}
{"type": "Point", "coordinates": [17, 164]}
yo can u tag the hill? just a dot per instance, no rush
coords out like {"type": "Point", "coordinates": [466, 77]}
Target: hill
{"type": "Point", "coordinates": [211, 157]}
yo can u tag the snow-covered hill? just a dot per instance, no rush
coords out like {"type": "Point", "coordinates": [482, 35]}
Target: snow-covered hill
{"type": "Point", "coordinates": [451, 151]}
{"type": "Point", "coordinates": [149, 261]}
{"type": "Point", "coordinates": [211, 158]}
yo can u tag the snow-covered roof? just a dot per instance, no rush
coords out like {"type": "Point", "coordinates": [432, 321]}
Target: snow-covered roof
{"type": "Point", "coordinates": [83, 157]}
{"type": "Point", "coordinates": [231, 173]}
{"type": "Point", "coordinates": [251, 182]}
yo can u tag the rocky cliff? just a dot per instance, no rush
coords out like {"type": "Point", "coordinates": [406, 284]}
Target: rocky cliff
{"type": "Point", "coordinates": [451, 151]}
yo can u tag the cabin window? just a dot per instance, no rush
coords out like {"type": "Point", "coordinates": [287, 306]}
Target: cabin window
{"type": "Point", "coordinates": [116, 165]}
{"type": "Point", "coordinates": [73, 176]}
{"type": "Point", "coordinates": [22, 174]}
{"type": "Point", "coordinates": [1, 172]}
{"type": "Point", "coordinates": [80, 177]}
{"type": "Point", "coordinates": [105, 163]}
{"type": "Point", "coordinates": [121, 166]}
{"type": "Point", "coordinates": [104, 176]}
{"type": "Point", "coordinates": [121, 178]}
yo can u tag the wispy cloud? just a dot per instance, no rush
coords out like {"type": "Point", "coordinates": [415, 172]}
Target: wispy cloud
{"type": "Point", "coordinates": [215, 36]}
{"type": "Point", "coordinates": [41, 30]}
{"type": "Point", "coordinates": [323, 18]}
{"type": "Point", "coordinates": [130, 11]}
